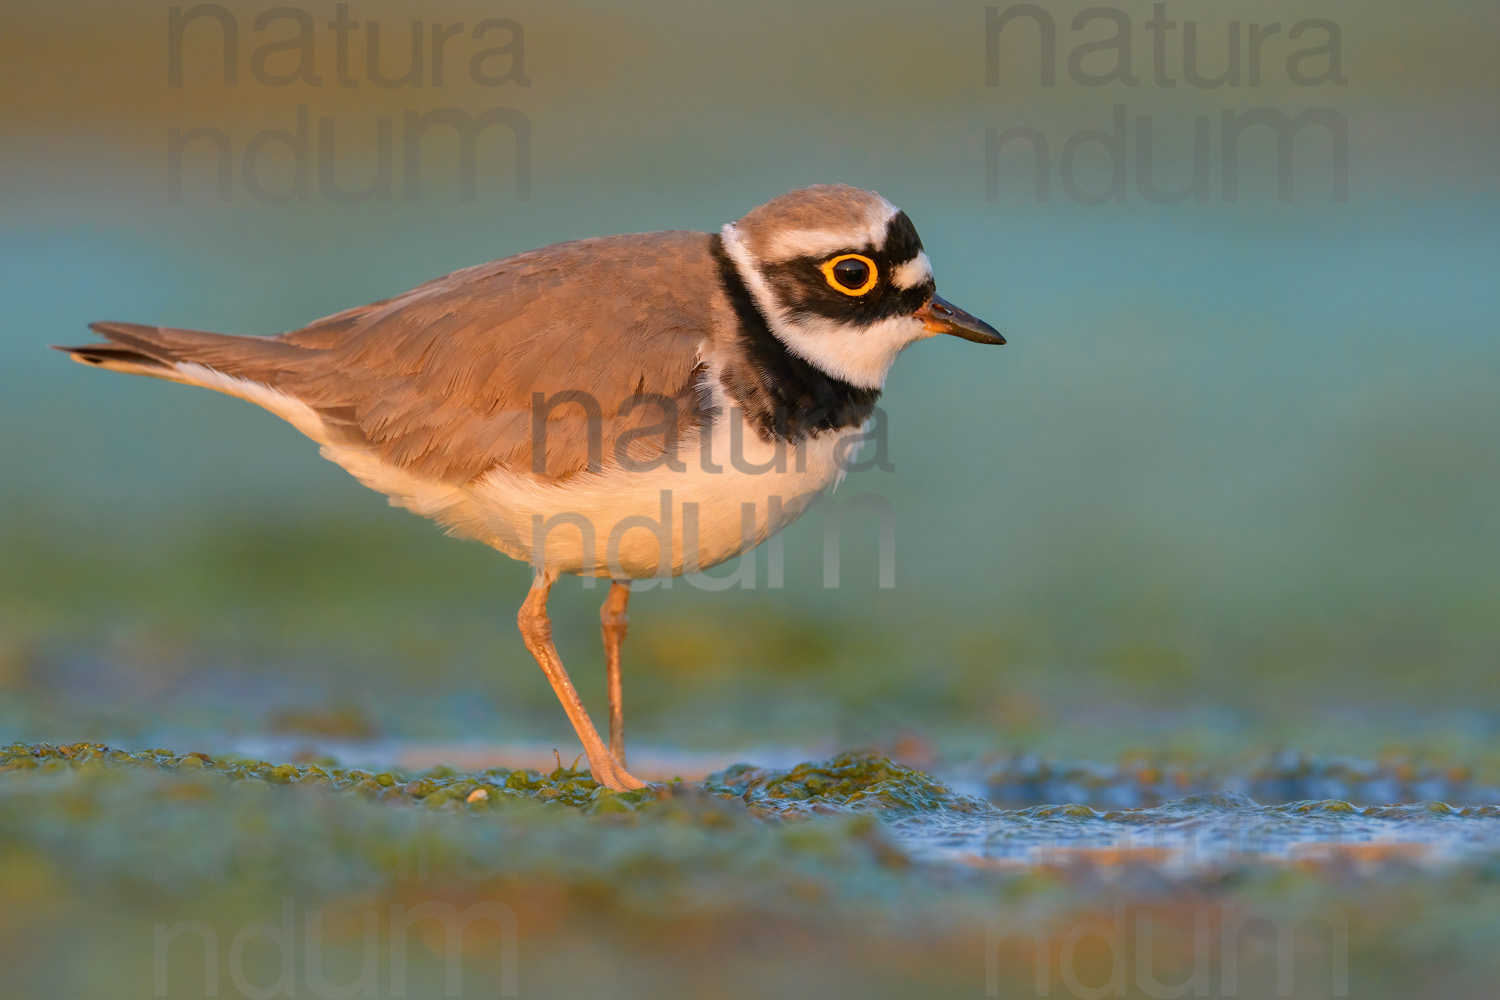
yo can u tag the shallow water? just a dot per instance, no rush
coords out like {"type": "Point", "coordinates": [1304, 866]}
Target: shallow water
{"type": "Point", "coordinates": [1200, 833]}
{"type": "Point", "coordinates": [1027, 812]}
{"type": "Point", "coordinates": [926, 818]}
{"type": "Point", "coordinates": [856, 872]}
{"type": "Point", "coordinates": [1208, 833]}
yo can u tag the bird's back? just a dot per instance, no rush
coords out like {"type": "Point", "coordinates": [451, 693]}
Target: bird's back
{"type": "Point", "coordinates": [442, 382]}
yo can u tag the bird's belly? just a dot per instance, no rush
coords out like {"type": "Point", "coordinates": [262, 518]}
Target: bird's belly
{"type": "Point", "coordinates": [718, 499]}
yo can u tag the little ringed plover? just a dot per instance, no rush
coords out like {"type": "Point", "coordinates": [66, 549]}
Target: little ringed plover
{"type": "Point", "coordinates": [622, 407]}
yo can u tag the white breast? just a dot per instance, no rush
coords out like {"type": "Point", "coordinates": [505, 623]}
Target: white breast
{"type": "Point", "coordinates": [731, 491]}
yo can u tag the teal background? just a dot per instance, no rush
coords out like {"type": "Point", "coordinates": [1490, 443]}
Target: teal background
{"type": "Point", "coordinates": [1221, 517]}
{"type": "Point", "coordinates": [1234, 474]}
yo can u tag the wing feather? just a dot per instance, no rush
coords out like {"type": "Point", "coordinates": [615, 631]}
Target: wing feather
{"type": "Point", "coordinates": [441, 380]}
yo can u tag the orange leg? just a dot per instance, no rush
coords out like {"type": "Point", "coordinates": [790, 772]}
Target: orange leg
{"type": "Point", "coordinates": [615, 622]}
{"type": "Point", "coordinates": [536, 630]}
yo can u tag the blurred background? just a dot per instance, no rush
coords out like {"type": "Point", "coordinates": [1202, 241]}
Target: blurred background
{"type": "Point", "coordinates": [1222, 516]}
{"type": "Point", "coordinates": [1232, 485]}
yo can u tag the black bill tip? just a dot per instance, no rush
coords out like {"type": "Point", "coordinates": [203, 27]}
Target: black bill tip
{"type": "Point", "coordinates": [941, 316]}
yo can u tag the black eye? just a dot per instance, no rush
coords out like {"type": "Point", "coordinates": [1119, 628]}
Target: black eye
{"type": "Point", "coordinates": [851, 272]}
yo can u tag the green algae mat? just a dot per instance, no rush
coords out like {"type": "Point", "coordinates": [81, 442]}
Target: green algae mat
{"type": "Point", "coordinates": [163, 873]}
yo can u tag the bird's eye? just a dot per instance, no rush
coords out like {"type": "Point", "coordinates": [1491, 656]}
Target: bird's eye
{"type": "Point", "coordinates": [850, 273]}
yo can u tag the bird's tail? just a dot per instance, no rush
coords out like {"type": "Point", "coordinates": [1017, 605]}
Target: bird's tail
{"type": "Point", "coordinates": [250, 368]}
{"type": "Point", "coordinates": [182, 355]}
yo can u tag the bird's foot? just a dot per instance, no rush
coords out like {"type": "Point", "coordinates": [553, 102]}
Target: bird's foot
{"type": "Point", "coordinates": [610, 773]}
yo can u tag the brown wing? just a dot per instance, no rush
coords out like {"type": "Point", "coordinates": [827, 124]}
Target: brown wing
{"type": "Point", "coordinates": [442, 380]}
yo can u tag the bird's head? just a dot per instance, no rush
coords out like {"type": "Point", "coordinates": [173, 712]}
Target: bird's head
{"type": "Point", "coordinates": [841, 278]}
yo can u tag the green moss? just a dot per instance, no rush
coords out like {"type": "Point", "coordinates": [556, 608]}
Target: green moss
{"type": "Point", "coordinates": [850, 781]}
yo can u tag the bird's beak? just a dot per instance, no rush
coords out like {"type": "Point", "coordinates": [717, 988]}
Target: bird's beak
{"type": "Point", "coordinates": [941, 316]}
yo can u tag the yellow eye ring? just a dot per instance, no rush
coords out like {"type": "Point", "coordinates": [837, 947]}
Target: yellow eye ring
{"type": "Point", "coordinates": [833, 282]}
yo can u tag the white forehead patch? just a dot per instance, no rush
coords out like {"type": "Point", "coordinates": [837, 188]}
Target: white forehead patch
{"type": "Point", "coordinates": [868, 232]}
{"type": "Point", "coordinates": [913, 272]}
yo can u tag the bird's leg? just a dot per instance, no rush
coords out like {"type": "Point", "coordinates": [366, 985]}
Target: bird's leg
{"type": "Point", "coordinates": [615, 622]}
{"type": "Point", "coordinates": [536, 631]}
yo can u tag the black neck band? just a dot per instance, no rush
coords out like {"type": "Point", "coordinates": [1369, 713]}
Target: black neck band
{"type": "Point", "coordinates": [782, 395]}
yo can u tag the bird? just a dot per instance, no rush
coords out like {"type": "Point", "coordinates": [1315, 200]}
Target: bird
{"type": "Point", "coordinates": [620, 407]}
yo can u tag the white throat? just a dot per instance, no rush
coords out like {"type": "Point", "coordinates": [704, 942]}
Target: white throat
{"type": "Point", "coordinates": [859, 355]}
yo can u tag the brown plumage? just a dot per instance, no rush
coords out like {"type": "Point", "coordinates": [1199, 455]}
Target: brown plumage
{"type": "Point", "coordinates": [440, 380]}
